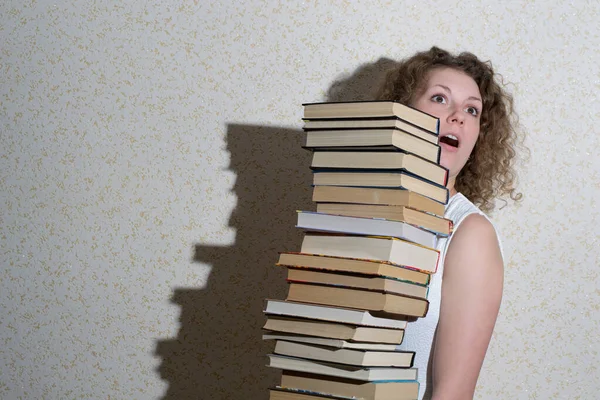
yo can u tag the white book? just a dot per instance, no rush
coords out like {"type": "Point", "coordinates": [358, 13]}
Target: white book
{"type": "Point", "coordinates": [330, 313]}
{"type": "Point", "coordinates": [365, 226]}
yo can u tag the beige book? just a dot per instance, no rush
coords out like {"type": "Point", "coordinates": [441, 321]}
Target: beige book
{"type": "Point", "coordinates": [408, 390]}
{"type": "Point", "coordinates": [387, 249]}
{"type": "Point", "coordinates": [371, 109]}
{"type": "Point", "coordinates": [357, 282]}
{"type": "Point", "coordinates": [381, 160]}
{"type": "Point", "coordinates": [323, 312]}
{"type": "Point", "coordinates": [341, 264]}
{"type": "Point", "coordinates": [341, 370]}
{"type": "Point", "coordinates": [370, 123]}
{"type": "Point", "coordinates": [401, 359]}
{"type": "Point", "coordinates": [377, 196]}
{"type": "Point", "coordinates": [334, 343]}
{"type": "Point", "coordinates": [394, 179]}
{"type": "Point", "coordinates": [373, 139]}
{"type": "Point", "coordinates": [402, 306]}
{"type": "Point", "coordinates": [333, 330]}
{"type": "Point", "coordinates": [441, 226]}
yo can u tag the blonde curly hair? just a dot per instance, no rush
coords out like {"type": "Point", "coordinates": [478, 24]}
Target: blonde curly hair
{"type": "Point", "coordinates": [489, 172]}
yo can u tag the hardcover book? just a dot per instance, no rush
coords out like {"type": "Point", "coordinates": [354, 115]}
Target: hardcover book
{"type": "Point", "coordinates": [367, 374]}
{"type": "Point", "coordinates": [380, 160]}
{"type": "Point", "coordinates": [370, 109]}
{"type": "Point", "coordinates": [373, 139]}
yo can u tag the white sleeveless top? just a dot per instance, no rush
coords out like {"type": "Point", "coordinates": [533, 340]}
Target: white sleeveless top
{"type": "Point", "coordinates": [418, 336]}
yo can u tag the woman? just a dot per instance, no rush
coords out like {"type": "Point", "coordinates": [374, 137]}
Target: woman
{"type": "Point", "coordinates": [477, 140]}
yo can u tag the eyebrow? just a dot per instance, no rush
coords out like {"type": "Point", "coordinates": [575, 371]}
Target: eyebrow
{"type": "Point", "coordinates": [450, 91]}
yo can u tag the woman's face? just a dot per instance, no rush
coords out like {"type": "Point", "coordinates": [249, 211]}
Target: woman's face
{"type": "Point", "coordinates": [454, 98]}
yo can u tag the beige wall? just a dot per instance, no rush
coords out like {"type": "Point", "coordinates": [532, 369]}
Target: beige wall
{"type": "Point", "coordinates": [150, 169]}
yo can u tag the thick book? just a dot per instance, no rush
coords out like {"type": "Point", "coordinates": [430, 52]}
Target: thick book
{"type": "Point", "coordinates": [326, 342]}
{"type": "Point", "coordinates": [371, 109]}
{"type": "Point", "coordinates": [370, 123]}
{"type": "Point", "coordinates": [373, 139]}
{"type": "Point", "coordinates": [351, 265]}
{"type": "Point", "coordinates": [391, 390]}
{"type": "Point", "coordinates": [333, 330]}
{"type": "Point", "coordinates": [377, 178]}
{"type": "Point", "coordinates": [362, 358]}
{"type": "Point", "coordinates": [433, 223]}
{"type": "Point", "coordinates": [402, 306]}
{"type": "Point", "coordinates": [358, 282]}
{"type": "Point", "coordinates": [380, 160]}
{"type": "Point", "coordinates": [314, 221]}
{"type": "Point", "coordinates": [377, 196]}
{"type": "Point", "coordinates": [332, 313]}
{"type": "Point", "coordinates": [388, 249]}
{"type": "Point", "coordinates": [370, 374]}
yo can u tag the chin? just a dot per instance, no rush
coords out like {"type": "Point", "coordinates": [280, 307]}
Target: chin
{"type": "Point", "coordinates": [450, 162]}
{"type": "Point", "coordinates": [445, 162]}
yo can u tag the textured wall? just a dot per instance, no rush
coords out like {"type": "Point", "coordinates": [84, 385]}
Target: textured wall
{"type": "Point", "coordinates": [150, 168]}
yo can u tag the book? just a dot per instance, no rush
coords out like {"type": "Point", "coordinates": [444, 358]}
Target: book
{"type": "Point", "coordinates": [332, 330]}
{"type": "Point", "coordinates": [373, 139]}
{"type": "Point", "coordinates": [322, 222]}
{"type": "Point", "coordinates": [388, 249]}
{"type": "Point", "coordinates": [351, 265]}
{"type": "Point", "coordinates": [334, 343]}
{"type": "Point", "coordinates": [363, 358]}
{"type": "Point", "coordinates": [370, 123]}
{"type": "Point", "coordinates": [279, 393]}
{"type": "Point", "coordinates": [377, 196]}
{"type": "Point", "coordinates": [396, 179]}
{"type": "Point", "coordinates": [380, 160]}
{"type": "Point", "coordinates": [314, 221]}
{"type": "Point", "coordinates": [331, 313]}
{"type": "Point", "coordinates": [358, 282]}
{"type": "Point", "coordinates": [370, 109]}
{"type": "Point", "coordinates": [403, 306]}
{"type": "Point", "coordinates": [433, 223]}
{"type": "Point", "coordinates": [370, 374]}
{"type": "Point", "coordinates": [393, 390]}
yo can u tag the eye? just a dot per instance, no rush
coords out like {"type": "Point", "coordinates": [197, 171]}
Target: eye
{"type": "Point", "coordinates": [473, 111]}
{"type": "Point", "coordinates": [438, 98]}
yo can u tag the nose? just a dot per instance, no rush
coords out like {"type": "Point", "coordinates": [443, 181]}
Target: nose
{"type": "Point", "coordinates": [456, 117]}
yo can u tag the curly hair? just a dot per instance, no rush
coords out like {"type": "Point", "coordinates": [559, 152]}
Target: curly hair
{"type": "Point", "coordinates": [489, 171]}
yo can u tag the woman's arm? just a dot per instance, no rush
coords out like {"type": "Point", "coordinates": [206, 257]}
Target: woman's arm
{"type": "Point", "coordinates": [471, 296]}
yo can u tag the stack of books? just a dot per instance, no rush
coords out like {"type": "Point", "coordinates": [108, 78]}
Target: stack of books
{"type": "Point", "coordinates": [368, 252]}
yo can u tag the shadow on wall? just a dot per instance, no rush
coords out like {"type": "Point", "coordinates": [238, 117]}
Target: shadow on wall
{"type": "Point", "coordinates": [218, 352]}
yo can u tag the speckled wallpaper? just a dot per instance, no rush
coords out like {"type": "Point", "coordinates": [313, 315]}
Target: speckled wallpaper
{"type": "Point", "coordinates": [150, 169]}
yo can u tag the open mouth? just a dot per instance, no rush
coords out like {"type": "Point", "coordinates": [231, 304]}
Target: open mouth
{"type": "Point", "coordinates": [450, 140]}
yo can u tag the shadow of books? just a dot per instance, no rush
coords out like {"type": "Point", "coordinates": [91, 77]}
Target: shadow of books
{"type": "Point", "coordinates": [218, 352]}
